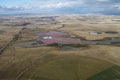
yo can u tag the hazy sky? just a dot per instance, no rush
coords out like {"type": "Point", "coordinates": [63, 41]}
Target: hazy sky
{"type": "Point", "coordinates": [60, 6]}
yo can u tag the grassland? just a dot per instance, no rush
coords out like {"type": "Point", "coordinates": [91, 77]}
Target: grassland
{"type": "Point", "coordinates": [51, 63]}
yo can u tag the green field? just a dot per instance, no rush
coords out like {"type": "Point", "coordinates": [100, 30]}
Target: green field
{"type": "Point", "coordinates": [112, 73]}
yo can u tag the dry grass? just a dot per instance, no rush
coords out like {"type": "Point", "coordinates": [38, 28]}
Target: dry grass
{"type": "Point", "coordinates": [49, 63]}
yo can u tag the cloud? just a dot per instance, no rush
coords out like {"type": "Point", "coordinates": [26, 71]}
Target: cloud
{"type": "Point", "coordinates": [8, 8]}
{"type": "Point", "coordinates": [70, 6]}
{"type": "Point", "coordinates": [117, 6]}
{"type": "Point", "coordinates": [103, 0]}
{"type": "Point", "coordinates": [52, 4]}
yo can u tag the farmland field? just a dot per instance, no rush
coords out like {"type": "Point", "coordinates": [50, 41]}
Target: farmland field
{"type": "Point", "coordinates": [26, 54]}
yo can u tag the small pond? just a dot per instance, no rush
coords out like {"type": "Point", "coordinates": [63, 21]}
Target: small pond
{"type": "Point", "coordinates": [29, 44]}
{"type": "Point", "coordinates": [111, 32]}
{"type": "Point", "coordinates": [104, 42]}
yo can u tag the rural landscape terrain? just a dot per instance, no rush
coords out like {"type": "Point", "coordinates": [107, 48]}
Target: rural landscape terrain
{"type": "Point", "coordinates": [60, 47]}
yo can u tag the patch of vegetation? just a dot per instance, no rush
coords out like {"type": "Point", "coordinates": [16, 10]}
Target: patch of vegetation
{"type": "Point", "coordinates": [18, 24]}
{"type": "Point", "coordinates": [1, 31]}
{"type": "Point", "coordinates": [112, 73]}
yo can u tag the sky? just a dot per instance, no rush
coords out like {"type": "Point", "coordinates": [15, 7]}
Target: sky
{"type": "Point", "coordinates": [110, 7]}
